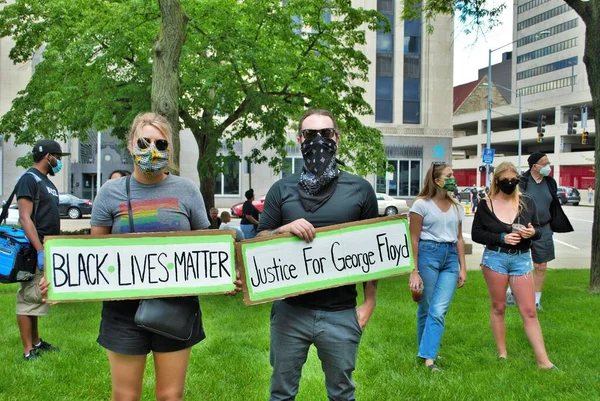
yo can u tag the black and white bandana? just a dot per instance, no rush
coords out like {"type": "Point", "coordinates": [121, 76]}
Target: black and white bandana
{"type": "Point", "coordinates": [319, 174]}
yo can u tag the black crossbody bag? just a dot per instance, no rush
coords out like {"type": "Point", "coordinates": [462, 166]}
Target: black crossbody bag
{"type": "Point", "coordinates": [170, 317]}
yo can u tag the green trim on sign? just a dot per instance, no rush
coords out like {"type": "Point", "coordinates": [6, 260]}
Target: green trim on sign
{"type": "Point", "coordinates": [255, 296]}
{"type": "Point", "coordinates": [142, 293]}
{"type": "Point", "coordinates": [136, 241]}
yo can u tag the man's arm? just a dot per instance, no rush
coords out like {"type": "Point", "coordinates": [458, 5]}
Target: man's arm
{"type": "Point", "coordinates": [300, 228]}
{"type": "Point", "coordinates": [365, 311]}
{"type": "Point", "coordinates": [25, 210]}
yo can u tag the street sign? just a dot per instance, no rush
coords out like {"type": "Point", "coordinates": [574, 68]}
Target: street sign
{"type": "Point", "coordinates": [488, 155]}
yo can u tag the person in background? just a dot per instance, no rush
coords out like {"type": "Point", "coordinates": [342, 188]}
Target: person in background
{"type": "Point", "coordinates": [250, 214]}
{"type": "Point", "coordinates": [118, 174]}
{"type": "Point", "coordinates": [215, 221]}
{"type": "Point", "coordinates": [47, 160]}
{"type": "Point", "coordinates": [225, 219]}
{"type": "Point", "coordinates": [318, 195]}
{"type": "Point", "coordinates": [507, 224]}
{"type": "Point", "coordinates": [541, 187]}
{"type": "Point", "coordinates": [456, 194]}
{"type": "Point", "coordinates": [474, 198]}
{"type": "Point", "coordinates": [590, 194]}
{"type": "Point", "coordinates": [439, 257]}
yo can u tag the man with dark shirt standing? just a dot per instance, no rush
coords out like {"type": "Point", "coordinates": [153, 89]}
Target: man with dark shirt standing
{"type": "Point", "coordinates": [537, 183]}
{"type": "Point", "coordinates": [37, 223]}
{"type": "Point", "coordinates": [215, 220]}
{"type": "Point", "coordinates": [320, 195]}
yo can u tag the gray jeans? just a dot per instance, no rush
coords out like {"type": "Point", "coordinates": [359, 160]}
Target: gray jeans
{"type": "Point", "coordinates": [335, 334]}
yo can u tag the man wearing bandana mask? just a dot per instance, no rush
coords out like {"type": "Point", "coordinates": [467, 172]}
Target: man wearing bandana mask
{"type": "Point", "coordinates": [541, 187]}
{"type": "Point", "coordinates": [37, 224]}
{"type": "Point", "coordinates": [320, 195]}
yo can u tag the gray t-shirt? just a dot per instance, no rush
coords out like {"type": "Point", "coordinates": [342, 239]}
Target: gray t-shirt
{"type": "Point", "coordinates": [174, 204]}
{"type": "Point", "coordinates": [239, 235]}
{"type": "Point", "coordinates": [542, 197]}
{"type": "Point", "coordinates": [437, 225]}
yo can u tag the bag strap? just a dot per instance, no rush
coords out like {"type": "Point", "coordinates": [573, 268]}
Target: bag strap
{"type": "Point", "coordinates": [129, 209]}
{"type": "Point", "coordinates": [36, 199]}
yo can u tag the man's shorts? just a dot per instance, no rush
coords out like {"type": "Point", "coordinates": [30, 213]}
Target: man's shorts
{"type": "Point", "coordinates": [29, 298]}
{"type": "Point", "coordinates": [542, 250]}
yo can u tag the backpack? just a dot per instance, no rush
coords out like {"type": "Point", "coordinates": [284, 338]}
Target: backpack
{"type": "Point", "coordinates": [18, 259]}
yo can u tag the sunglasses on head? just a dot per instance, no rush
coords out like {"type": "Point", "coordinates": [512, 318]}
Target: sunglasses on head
{"type": "Point", "coordinates": [161, 144]}
{"type": "Point", "coordinates": [324, 132]}
{"type": "Point", "coordinates": [436, 164]}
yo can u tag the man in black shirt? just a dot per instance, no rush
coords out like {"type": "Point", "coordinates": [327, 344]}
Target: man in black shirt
{"type": "Point", "coordinates": [320, 195]}
{"type": "Point", "coordinates": [215, 220]}
{"type": "Point", "coordinates": [37, 222]}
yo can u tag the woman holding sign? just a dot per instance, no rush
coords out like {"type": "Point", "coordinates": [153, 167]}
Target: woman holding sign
{"type": "Point", "coordinates": [506, 224]}
{"type": "Point", "coordinates": [159, 202]}
{"type": "Point", "coordinates": [439, 255]}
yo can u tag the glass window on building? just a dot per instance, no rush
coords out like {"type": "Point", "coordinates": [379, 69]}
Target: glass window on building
{"type": "Point", "coordinates": [291, 165]}
{"type": "Point", "coordinates": [411, 99]}
{"type": "Point", "coordinates": [228, 182]}
{"type": "Point", "coordinates": [405, 178]}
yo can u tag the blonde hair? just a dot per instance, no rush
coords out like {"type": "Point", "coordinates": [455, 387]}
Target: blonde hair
{"type": "Point", "coordinates": [160, 123]}
{"type": "Point", "coordinates": [516, 197]}
{"type": "Point", "coordinates": [430, 188]}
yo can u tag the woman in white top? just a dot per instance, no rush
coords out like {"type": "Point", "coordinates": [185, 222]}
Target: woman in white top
{"type": "Point", "coordinates": [439, 256]}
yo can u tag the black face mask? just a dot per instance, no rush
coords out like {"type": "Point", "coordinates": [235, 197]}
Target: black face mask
{"type": "Point", "coordinates": [506, 186]}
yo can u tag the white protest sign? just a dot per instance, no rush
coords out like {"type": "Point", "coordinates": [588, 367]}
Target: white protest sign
{"type": "Point", "coordinates": [281, 266]}
{"type": "Point", "coordinates": [130, 266]}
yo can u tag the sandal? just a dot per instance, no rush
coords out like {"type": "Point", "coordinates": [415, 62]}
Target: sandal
{"type": "Point", "coordinates": [434, 368]}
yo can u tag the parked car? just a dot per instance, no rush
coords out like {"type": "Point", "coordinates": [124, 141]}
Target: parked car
{"type": "Point", "coordinates": [72, 206]}
{"type": "Point", "coordinates": [389, 206]}
{"type": "Point", "coordinates": [568, 195]}
{"type": "Point", "coordinates": [13, 215]}
{"type": "Point", "coordinates": [464, 194]}
{"type": "Point", "coordinates": [236, 210]}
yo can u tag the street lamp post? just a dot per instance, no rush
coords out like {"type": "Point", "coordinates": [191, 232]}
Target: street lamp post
{"type": "Point", "coordinates": [489, 106]}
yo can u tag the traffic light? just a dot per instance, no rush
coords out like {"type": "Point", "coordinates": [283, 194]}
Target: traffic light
{"type": "Point", "coordinates": [572, 124]}
{"type": "Point", "coordinates": [584, 137]}
{"type": "Point", "coordinates": [541, 124]}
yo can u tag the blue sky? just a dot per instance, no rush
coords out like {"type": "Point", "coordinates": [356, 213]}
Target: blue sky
{"type": "Point", "coordinates": [471, 51]}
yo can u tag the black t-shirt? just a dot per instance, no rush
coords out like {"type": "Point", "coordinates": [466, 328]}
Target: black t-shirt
{"type": "Point", "coordinates": [474, 195]}
{"type": "Point", "coordinates": [249, 208]}
{"type": "Point", "coordinates": [354, 199]}
{"type": "Point", "coordinates": [487, 228]}
{"type": "Point", "coordinates": [214, 224]}
{"type": "Point", "coordinates": [47, 219]}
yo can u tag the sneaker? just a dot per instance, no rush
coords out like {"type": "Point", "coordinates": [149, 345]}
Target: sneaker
{"type": "Point", "coordinates": [44, 346]}
{"type": "Point", "coordinates": [538, 306]}
{"type": "Point", "coordinates": [510, 299]}
{"type": "Point", "coordinates": [33, 355]}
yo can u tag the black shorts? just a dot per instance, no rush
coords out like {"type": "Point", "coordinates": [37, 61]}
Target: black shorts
{"type": "Point", "coordinates": [542, 250]}
{"type": "Point", "coordinates": [120, 334]}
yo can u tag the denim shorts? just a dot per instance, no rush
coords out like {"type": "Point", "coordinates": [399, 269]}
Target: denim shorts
{"type": "Point", "coordinates": [509, 264]}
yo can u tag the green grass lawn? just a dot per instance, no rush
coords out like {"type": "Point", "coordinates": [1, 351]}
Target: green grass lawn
{"type": "Point", "coordinates": [233, 362]}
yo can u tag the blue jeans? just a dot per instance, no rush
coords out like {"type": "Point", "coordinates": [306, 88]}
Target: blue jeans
{"type": "Point", "coordinates": [438, 267]}
{"type": "Point", "coordinates": [249, 230]}
{"type": "Point", "coordinates": [335, 334]}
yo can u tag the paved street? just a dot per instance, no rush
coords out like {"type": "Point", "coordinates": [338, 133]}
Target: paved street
{"type": "Point", "coordinates": [572, 249]}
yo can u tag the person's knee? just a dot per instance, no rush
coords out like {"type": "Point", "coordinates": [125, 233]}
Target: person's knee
{"type": "Point", "coordinates": [170, 394]}
{"type": "Point", "coordinates": [498, 308]}
{"type": "Point", "coordinates": [125, 395]}
{"type": "Point", "coordinates": [528, 313]}
{"type": "Point", "coordinates": [540, 267]}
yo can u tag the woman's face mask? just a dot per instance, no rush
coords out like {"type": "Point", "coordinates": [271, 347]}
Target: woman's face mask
{"type": "Point", "coordinates": [150, 160]}
{"type": "Point", "coordinates": [508, 186]}
{"type": "Point", "coordinates": [449, 184]}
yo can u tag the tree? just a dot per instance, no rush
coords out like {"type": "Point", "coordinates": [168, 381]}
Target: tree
{"type": "Point", "coordinates": [246, 70]}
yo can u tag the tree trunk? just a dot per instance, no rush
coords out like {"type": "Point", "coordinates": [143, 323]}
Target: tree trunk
{"type": "Point", "coordinates": [165, 67]}
{"type": "Point", "coordinates": [592, 61]}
